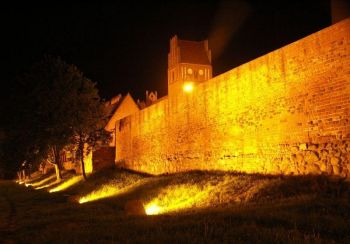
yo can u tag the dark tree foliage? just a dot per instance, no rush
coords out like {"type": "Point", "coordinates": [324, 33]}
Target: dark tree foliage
{"type": "Point", "coordinates": [51, 105]}
{"type": "Point", "coordinates": [88, 122]}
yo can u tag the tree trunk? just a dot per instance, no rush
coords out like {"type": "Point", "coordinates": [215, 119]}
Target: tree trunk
{"type": "Point", "coordinates": [83, 167]}
{"type": "Point", "coordinates": [23, 175]}
{"type": "Point", "coordinates": [81, 146]}
{"type": "Point", "coordinates": [57, 160]}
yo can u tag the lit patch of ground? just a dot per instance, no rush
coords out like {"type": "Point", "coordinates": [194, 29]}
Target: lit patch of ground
{"type": "Point", "coordinates": [202, 190]}
{"type": "Point", "coordinates": [67, 184]}
{"type": "Point", "coordinates": [104, 191]}
{"type": "Point", "coordinates": [229, 207]}
{"type": "Point", "coordinates": [47, 185]}
{"type": "Point", "coordinates": [123, 184]}
{"type": "Point", "coordinates": [177, 197]}
{"type": "Point", "coordinates": [42, 182]}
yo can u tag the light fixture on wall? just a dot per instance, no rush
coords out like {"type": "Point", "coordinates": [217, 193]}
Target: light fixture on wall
{"type": "Point", "coordinates": [188, 87]}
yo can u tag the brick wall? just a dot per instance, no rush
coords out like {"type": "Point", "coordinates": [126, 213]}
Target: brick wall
{"type": "Point", "coordinates": [285, 112]}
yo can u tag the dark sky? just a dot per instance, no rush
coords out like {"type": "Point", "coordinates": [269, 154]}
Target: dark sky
{"type": "Point", "coordinates": [123, 46]}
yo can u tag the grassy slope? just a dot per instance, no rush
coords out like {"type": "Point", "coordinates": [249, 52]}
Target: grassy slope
{"type": "Point", "coordinates": [210, 207]}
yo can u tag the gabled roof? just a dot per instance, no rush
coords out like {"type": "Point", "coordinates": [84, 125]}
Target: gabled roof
{"type": "Point", "coordinates": [193, 52]}
{"type": "Point", "coordinates": [112, 105]}
{"type": "Point", "coordinates": [124, 106]}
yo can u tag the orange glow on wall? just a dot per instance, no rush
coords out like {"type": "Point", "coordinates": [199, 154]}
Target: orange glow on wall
{"type": "Point", "coordinates": [272, 115]}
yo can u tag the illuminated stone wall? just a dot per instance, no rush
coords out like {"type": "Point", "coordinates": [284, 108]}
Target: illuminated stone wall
{"type": "Point", "coordinates": [285, 112]}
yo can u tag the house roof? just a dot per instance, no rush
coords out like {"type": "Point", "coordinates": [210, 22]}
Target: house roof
{"type": "Point", "coordinates": [119, 108]}
{"type": "Point", "coordinates": [112, 105]}
{"type": "Point", "coordinates": [193, 52]}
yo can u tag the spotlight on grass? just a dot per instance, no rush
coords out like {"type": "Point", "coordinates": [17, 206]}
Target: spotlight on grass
{"type": "Point", "coordinates": [110, 190]}
{"type": "Point", "coordinates": [104, 191]}
{"type": "Point", "coordinates": [43, 181]}
{"type": "Point", "coordinates": [178, 198]}
{"type": "Point", "coordinates": [65, 185]}
{"type": "Point", "coordinates": [47, 185]}
{"type": "Point", "coordinates": [152, 209]}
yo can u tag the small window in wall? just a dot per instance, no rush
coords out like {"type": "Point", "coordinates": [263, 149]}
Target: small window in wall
{"type": "Point", "coordinates": [121, 124]}
{"type": "Point", "coordinates": [200, 72]}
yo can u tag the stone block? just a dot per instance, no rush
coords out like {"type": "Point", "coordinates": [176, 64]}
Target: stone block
{"type": "Point", "coordinates": [347, 166]}
{"type": "Point", "coordinates": [323, 166]}
{"type": "Point", "coordinates": [321, 146]}
{"type": "Point", "coordinates": [313, 169]}
{"type": "Point", "coordinates": [347, 146]}
{"type": "Point", "coordinates": [312, 147]}
{"type": "Point", "coordinates": [336, 170]}
{"type": "Point", "coordinates": [294, 158]}
{"type": "Point", "coordinates": [300, 159]}
{"type": "Point", "coordinates": [335, 161]}
{"type": "Point", "coordinates": [336, 153]}
{"type": "Point", "coordinates": [311, 157]}
{"type": "Point", "coordinates": [343, 147]}
{"type": "Point", "coordinates": [294, 149]}
{"type": "Point", "coordinates": [329, 169]}
{"type": "Point", "coordinates": [303, 146]}
{"type": "Point", "coordinates": [329, 146]}
{"type": "Point", "coordinates": [324, 153]}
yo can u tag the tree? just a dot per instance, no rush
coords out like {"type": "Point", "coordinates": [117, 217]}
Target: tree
{"type": "Point", "coordinates": [89, 121]}
{"type": "Point", "coordinates": [44, 115]}
{"type": "Point", "coordinates": [55, 86]}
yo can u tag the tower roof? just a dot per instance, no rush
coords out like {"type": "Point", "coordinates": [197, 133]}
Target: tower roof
{"type": "Point", "coordinates": [193, 52]}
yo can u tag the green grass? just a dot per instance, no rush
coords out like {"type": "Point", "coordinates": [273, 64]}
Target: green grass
{"type": "Point", "coordinates": [212, 207]}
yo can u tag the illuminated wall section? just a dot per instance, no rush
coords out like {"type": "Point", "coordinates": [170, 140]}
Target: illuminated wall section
{"type": "Point", "coordinates": [285, 112]}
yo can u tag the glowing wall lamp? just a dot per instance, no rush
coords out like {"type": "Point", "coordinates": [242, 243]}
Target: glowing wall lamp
{"type": "Point", "coordinates": [188, 87]}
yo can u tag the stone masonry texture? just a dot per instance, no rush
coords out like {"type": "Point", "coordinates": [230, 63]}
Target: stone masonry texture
{"type": "Point", "coordinates": [287, 112]}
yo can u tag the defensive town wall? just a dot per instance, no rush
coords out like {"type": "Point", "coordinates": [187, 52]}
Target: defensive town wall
{"type": "Point", "coordinates": [285, 112]}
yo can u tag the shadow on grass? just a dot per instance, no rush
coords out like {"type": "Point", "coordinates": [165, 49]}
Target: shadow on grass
{"type": "Point", "coordinates": [237, 208]}
{"type": "Point", "coordinates": [196, 190]}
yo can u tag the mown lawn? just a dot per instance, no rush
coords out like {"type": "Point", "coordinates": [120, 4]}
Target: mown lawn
{"type": "Point", "coordinates": [231, 208]}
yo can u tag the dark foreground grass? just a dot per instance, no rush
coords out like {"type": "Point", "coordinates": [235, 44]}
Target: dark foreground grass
{"type": "Point", "coordinates": [291, 210]}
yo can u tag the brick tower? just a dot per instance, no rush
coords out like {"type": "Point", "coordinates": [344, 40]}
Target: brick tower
{"type": "Point", "coordinates": [188, 62]}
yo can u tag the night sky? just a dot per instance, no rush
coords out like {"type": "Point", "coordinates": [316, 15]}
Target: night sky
{"type": "Point", "coordinates": [123, 46]}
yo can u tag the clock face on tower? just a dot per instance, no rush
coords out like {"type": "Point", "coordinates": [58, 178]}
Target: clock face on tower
{"type": "Point", "coordinates": [200, 72]}
{"type": "Point", "coordinates": [189, 71]}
